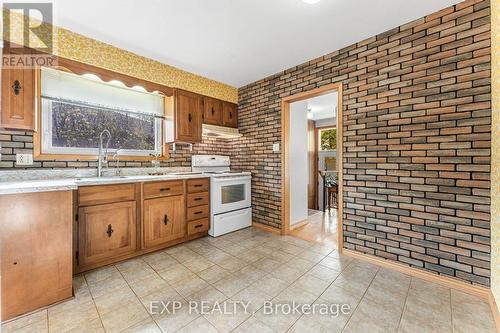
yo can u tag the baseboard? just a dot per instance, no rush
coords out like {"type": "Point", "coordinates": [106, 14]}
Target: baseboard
{"type": "Point", "coordinates": [468, 288]}
{"type": "Point", "coordinates": [299, 224]}
{"type": "Point", "coordinates": [495, 311]}
{"type": "Point", "coordinates": [266, 228]}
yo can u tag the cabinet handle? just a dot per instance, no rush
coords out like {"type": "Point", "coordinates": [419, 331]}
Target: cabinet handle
{"type": "Point", "coordinates": [165, 219]}
{"type": "Point", "coordinates": [110, 230]}
{"type": "Point", "coordinates": [165, 189]}
{"type": "Point", "coordinates": [198, 199]}
{"type": "Point", "coordinates": [198, 185]}
{"type": "Point", "coordinates": [198, 226]}
{"type": "Point", "coordinates": [230, 115]}
{"type": "Point", "coordinates": [189, 117]}
{"type": "Point", "coordinates": [213, 111]}
{"type": "Point", "coordinates": [199, 212]}
{"type": "Point", "coordinates": [17, 87]}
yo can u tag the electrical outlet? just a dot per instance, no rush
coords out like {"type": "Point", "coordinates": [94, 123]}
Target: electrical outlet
{"type": "Point", "coordinates": [24, 159]}
{"type": "Point", "coordinates": [276, 147]}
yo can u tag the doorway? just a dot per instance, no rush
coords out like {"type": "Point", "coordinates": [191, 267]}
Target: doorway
{"type": "Point", "coordinates": [305, 208]}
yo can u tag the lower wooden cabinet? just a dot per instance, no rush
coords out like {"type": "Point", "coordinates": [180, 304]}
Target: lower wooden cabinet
{"type": "Point", "coordinates": [163, 220]}
{"type": "Point", "coordinates": [106, 231]}
{"type": "Point", "coordinates": [121, 221]}
{"type": "Point", "coordinates": [35, 248]}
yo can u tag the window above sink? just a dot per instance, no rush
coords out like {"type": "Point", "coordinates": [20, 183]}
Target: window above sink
{"type": "Point", "coordinates": [76, 104]}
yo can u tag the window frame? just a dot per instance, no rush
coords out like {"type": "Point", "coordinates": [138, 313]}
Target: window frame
{"type": "Point", "coordinates": [78, 68]}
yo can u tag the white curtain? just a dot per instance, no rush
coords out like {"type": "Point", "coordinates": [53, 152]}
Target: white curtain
{"type": "Point", "coordinates": [60, 85]}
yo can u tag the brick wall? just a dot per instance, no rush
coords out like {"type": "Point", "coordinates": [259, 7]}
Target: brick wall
{"type": "Point", "coordinates": [15, 142]}
{"type": "Point", "coordinates": [416, 140]}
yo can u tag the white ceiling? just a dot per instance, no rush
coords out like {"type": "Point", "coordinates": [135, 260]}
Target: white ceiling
{"type": "Point", "coordinates": [323, 107]}
{"type": "Point", "coordinates": [236, 41]}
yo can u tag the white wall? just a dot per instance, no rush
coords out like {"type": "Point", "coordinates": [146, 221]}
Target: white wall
{"type": "Point", "coordinates": [299, 174]}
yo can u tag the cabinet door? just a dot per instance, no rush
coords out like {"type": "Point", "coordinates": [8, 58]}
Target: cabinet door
{"type": "Point", "coordinates": [35, 249]}
{"type": "Point", "coordinates": [18, 99]}
{"type": "Point", "coordinates": [164, 220]}
{"type": "Point", "coordinates": [188, 116]}
{"type": "Point", "coordinates": [106, 231]}
{"type": "Point", "coordinates": [230, 114]}
{"type": "Point", "coordinates": [212, 111]}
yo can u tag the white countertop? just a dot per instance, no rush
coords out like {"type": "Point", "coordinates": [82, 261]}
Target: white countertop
{"type": "Point", "coordinates": [48, 185]}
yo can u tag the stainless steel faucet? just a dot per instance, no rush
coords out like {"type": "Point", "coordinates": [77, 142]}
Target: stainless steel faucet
{"type": "Point", "coordinates": [100, 158]}
{"type": "Point", "coordinates": [116, 158]}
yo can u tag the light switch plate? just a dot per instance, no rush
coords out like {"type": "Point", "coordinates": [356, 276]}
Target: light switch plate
{"type": "Point", "coordinates": [24, 159]}
{"type": "Point", "coordinates": [276, 147]}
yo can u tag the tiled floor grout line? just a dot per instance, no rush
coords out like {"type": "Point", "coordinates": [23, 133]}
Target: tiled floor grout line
{"type": "Point", "coordinates": [268, 273]}
{"type": "Point", "coordinates": [138, 298]}
{"type": "Point", "coordinates": [93, 300]}
{"type": "Point", "coordinates": [269, 244]}
{"type": "Point", "coordinates": [361, 299]}
{"type": "Point", "coordinates": [404, 305]}
{"type": "Point", "coordinates": [48, 325]}
{"type": "Point", "coordinates": [451, 311]}
{"type": "Point", "coordinates": [318, 263]}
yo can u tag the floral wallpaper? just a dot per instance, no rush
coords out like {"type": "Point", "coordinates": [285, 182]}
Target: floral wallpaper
{"type": "Point", "coordinates": [77, 47]}
{"type": "Point", "coordinates": [495, 162]}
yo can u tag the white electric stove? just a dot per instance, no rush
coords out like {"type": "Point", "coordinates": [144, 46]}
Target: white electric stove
{"type": "Point", "coordinates": [230, 194]}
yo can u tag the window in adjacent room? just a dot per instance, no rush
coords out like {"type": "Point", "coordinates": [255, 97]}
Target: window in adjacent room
{"type": "Point", "coordinates": [76, 109]}
{"type": "Point", "coordinates": [327, 139]}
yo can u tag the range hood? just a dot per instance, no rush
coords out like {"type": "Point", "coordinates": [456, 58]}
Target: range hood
{"type": "Point", "coordinates": [220, 132]}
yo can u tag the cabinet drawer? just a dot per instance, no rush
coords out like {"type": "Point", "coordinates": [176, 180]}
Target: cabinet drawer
{"type": "Point", "coordinates": [198, 199]}
{"type": "Point", "coordinates": [194, 227]}
{"type": "Point", "coordinates": [104, 194]}
{"type": "Point", "coordinates": [163, 189]}
{"type": "Point", "coordinates": [198, 185]}
{"type": "Point", "coordinates": [196, 213]}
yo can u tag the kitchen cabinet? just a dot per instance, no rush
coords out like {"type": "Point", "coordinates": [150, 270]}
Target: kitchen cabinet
{"type": "Point", "coordinates": [198, 205]}
{"type": "Point", "coordinates": [184, 117]}
{"type": "Point", "coordinates": [106, 231]}
{"type": "Point", "coordinates": [121, 221]}
{"type": "Point", "coordinates": [212, 111]}
{"type": "Point", "coordinates": [36, 250]}
{"type": "Point", "coordinates": [18, 99]}
{"type": "Point", "coordinates": [229, 114]}
{"type": "Point", "coordinates": [163, 220]}
{"type": "Point", "coordinates": [163, 189]}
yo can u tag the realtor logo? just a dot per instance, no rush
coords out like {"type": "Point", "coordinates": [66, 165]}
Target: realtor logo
{"type": "Point", "coordinates": [28, 32]}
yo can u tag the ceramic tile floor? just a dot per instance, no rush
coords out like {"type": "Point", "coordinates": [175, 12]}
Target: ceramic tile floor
{"type": "Point", "coordinates": [252, 265]}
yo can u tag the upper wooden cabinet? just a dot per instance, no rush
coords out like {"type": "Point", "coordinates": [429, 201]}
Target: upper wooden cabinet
{"type": "Point", "coordinates": [184, 117]}
{"type": "Point", "coordinates": [229, 114]}
{"type": "Point", "coordinates": [18, 99]}
{"type": "Point", "coordinates": [212, 111]}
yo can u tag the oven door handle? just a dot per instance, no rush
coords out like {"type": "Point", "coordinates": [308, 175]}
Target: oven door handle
{"type": "Point", "coordinates": [241, 212]}
{"type": "Point", "coordinates": [231, 178]}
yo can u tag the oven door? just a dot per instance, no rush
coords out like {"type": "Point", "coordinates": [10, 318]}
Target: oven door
{"type": "Point", "coordinates": [230, 193]}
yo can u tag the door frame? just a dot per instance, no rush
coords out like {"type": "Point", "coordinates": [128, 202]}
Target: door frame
{"type": "Point", "coordinates": [285, 155]}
